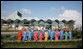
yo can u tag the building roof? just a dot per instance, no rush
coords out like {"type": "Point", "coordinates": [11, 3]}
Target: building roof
{"type": "Point", "coordinates": [15, 15]}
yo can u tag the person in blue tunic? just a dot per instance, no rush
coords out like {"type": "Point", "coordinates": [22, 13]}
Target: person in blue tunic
{"type": "Point", "coordinates": [29, 33]}
{"type": "Point", "coordinates": [24, 35]}
{"type": "Point", "coordinates": [61, 34]}
{"type": "Point", "coordinates": [32, 33]}
{"type": "Point", "coordinates": [70, 34]}
{"type": "Point", "coordinates": [49, 31]}
{"type": "Point", "coordinates": [43, 32]}
{"type": "Point", "coordinates": [52, 34]}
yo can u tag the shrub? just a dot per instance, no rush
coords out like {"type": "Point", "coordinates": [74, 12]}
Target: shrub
{"type": "Point", "coordinates": [76, 34]}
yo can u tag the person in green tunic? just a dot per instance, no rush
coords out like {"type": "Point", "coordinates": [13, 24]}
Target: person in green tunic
{"type": "Point", "coordinates": [66, 34]}
{"type": "Point", "coordinates": [38, 33]}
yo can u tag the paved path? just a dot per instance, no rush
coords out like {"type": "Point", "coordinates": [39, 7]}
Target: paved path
{"type": "Point", "coordinates": [9, 32]}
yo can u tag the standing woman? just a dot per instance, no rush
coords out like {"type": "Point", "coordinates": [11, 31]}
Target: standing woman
{"type": "Point", "coordinates": [35, 35]}
{"type": "Point", "coordinates": [70, 34]}
{"type": "Point", "coordinates": [40, 35]}
{"type": "Point", "coordinates": [61, 34]}
{"type": "Point", "coordinates": [66, 34]}
{"type": "Point", "coordinates": [32, 30]}
{"type": "Point", "coordinates": [19, 35]}
{"type": "Point", "coordinates": [52, 34]}
{"type": "Point", "coordinates": [49, 31]}
{"type": "Point", "coordinates": [24, 35]}
{"type": "Point", "coordinates": [56, 34]}
{"type": "Point", "coordinates": [29, 33]}
{"type": "Point", "coordinates": [46, 36]}
{"type": "Point", "coordinates": [43, 32]}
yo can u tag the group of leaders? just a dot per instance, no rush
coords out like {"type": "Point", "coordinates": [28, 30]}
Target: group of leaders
{"type": "Point", "coordinates": [31, 34]}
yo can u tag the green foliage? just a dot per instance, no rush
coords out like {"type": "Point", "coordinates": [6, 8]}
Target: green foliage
{"type": "Point", "coordinates": [9, 30]}
{"type": "Point", "coordinates": [76, 34]}
{"type": "Point", "coordinates": [50, 44]}
{"type": "Point", "coordinates": [5, 37]}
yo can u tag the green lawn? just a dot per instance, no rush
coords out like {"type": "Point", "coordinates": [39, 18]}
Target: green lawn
{"type": "Point", "coordinates": [43, 44]}
{"type": "Point", "coordinates": [6, 42]}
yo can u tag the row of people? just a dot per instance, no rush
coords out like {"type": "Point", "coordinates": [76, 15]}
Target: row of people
{"type": "Point", "coordinates": [30, 34]}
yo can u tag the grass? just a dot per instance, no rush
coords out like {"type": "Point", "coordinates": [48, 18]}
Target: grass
{"type": "Point", "coordinates": [9, 30]}
{"type": "Point", "coordinates": [6, 42]}
{"type": "Point", "coordinates": [44, 44]}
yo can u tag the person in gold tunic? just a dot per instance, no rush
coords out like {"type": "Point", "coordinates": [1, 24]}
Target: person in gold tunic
{"type": "Point", "coordinates": [46, 36]}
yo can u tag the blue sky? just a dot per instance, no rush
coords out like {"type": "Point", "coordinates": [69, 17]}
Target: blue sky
{"type": "Point", "coordinates": [39, 8]}
{"type": "Point", "coordinates": [68, 10]}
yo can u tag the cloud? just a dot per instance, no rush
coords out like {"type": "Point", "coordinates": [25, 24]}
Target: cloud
{"type": "Point", "coordinates": [4, 14]}
{"type": "Point", "coordinates": [71, 15]}
{"type": "Point", "coordinates": [62, 8]}
{"type": "Point", "coordinates": [53, 9]}
{"type": "Point", "coordinates": [26, 11]}
{"type": "Point", "coordinates": [58, 9]}
{"type": "Point", "coordinates": [2, 2]}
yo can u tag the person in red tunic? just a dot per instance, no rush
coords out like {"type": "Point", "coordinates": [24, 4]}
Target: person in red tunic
{"type": "Point", "coordinates": [40, 35]}
{"type": "Point", "coordinates": [56, 34]}
{"type": "Point", "coordinates": [35, 35]}
{"type": "Point", "coordinates": [65, 30]}
{"type": "Point", "coordinates": [19, 35]}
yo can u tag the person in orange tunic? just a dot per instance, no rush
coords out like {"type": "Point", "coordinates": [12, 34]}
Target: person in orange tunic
{"type": "Point", "coordinates": [46, 36]}
{"type": "Point", "coordinates": [40, 35]}
{"type": "Point", "coordinates": [19, 35]}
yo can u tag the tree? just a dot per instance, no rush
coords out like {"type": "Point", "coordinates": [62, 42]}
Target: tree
{"type": "Point", "coordinates": [71, 23]}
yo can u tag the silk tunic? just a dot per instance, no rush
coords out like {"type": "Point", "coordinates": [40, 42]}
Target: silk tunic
{"type": "Point", "coordinates": [46, 36]}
